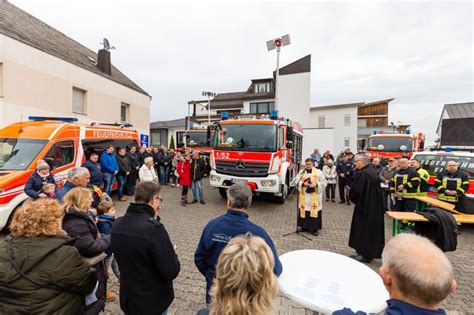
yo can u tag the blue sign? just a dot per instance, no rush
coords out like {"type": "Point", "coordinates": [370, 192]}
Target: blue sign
{"type": "Point", "coordinates": [144, 140]}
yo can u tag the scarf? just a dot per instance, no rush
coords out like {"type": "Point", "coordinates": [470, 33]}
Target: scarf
{"type": "Point", "coordinates": [314, 196]}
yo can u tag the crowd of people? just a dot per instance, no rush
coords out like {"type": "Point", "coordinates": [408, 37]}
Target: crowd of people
{"type": "Point", "coordinates": [64, 242]}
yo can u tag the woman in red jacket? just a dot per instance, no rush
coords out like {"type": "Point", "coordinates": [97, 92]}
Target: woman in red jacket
{"type": "Point", "coordinates": [184, 171]}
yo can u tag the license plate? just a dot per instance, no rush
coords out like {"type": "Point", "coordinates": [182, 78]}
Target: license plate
{"type": "Point", "coordinates": [238, 180]}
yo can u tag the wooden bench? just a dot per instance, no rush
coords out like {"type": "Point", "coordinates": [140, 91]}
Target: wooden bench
{"type": "Point", "coordinates": [399, 217]}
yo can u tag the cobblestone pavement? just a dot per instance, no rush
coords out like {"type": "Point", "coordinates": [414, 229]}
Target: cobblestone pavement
{"type": "Point", "coordinates": [185, 225]}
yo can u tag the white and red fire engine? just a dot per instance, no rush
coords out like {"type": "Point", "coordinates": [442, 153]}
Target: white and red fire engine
{"type": "Point", "coordinates": [262, 151]}
{"type": "Point", "coordinates": [386, 145]}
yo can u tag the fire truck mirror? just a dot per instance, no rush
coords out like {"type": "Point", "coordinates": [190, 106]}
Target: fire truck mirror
{"type": "Point", "coordinates": [289, 133]}
{"type": "Point", "coordinates": [289, 145]}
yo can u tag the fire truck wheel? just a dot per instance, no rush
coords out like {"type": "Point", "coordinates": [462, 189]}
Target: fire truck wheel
{"type": "Point", "coordinates": [223, 192]}
{"type": "Point", "coordinates": [281, 199]}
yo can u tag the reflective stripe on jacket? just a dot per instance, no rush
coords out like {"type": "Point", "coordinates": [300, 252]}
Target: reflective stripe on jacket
{"type": "Point", "coordinates": [410, 181]}
{"type": "Point", "coordinates": [451, 181]}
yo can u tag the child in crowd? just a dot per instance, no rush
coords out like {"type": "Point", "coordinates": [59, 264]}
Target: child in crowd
{"type": "Point", "coordinates": [174, 164]}
{"type": "Point", "coordinates": [106, 211]}
{"type": "Point", "coordinates": [49, 190]}
{"type": "Point", "coordinates": [184, 172]}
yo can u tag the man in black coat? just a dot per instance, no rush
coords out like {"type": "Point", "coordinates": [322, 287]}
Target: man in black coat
{"type": "Point", "coordinates": [92, 164]}
{"type": "Point", "coordinates": [123, 172]}
{"type": "Point", "coordinates": [134, 159]}
{"type": "Point", "coordinates": [198, 171]}
{"type": "Point", "coordinates": [146, 258]}
{"type": "Point", "coordinates": [367, 234]}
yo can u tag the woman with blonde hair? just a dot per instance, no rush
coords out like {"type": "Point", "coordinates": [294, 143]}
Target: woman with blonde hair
{"type": "Point", "coordinates": [245, 283]}
{"type": "Point", "coordinates": [40, 271]}
{"type": "Point", "coordinates": [88, 241]}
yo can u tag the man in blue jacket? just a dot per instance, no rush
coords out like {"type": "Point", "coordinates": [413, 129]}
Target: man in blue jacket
{"type": "Point", "coordinates": [109, 168]}
{"type": "Point", "coordinates": [76, 177]}
{"type": "Point", "coordinates": [219, 231]}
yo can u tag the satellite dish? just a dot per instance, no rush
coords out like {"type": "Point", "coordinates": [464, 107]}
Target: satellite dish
{"type": "Point", "coordinates": [106, 44]}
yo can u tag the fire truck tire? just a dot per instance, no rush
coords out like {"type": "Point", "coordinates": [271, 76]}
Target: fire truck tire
{"type": "Point", "coordinates": [223, 192]}
{"type": "Point", "coordinates": [281, 199]}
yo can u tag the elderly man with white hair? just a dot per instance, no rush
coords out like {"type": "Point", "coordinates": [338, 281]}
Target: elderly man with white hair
{"type": "Point", "coordinates": [76, 177]}
{"type": "Point", "coordinates": [417, 275]}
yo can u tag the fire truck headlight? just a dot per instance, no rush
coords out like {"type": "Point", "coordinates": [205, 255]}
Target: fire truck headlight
{"type": "Point", "coordinates": [268, 183]}
{"type": "Point", "coordinates": [215, 178]}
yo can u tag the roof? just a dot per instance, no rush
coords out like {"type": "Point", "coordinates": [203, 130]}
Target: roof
{"type": "Point", "coordinates": [388, 100]}
{"type": "Point", "coordinates": [299, 66]}
{"type": "Point", "coordinates": [168, 124]}
{"type": "Point", "coordinates": [457, 110]}
{"type": "Point", "coordinates": [25, 28]}
{"type": "Point", "coordinates": [337, 106]}
{"type": "Point", "coordinates": [236, 99]}
{"type": "Point", "coordinates": [460, 110]}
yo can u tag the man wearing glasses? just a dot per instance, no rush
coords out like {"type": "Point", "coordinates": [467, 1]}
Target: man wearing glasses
{"type": "Point", "coordinates": [146, 258]}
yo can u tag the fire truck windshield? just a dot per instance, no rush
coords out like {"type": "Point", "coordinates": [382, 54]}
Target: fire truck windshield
{"type": "Point", "coordinates": [390, 144]}
{"type": "Point", "coordinates": [247, 137]}
{"type": "Point", "coordinates": [17, 153]}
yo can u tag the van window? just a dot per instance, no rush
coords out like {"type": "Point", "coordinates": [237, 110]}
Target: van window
{"type": "Point", "coordinates": [435, 164]}
{"type": "Point", "coordinates": [18, 153]}
{"type": "Point", "coordinates": [60, 154]}
{"type": "Point", "coordinates": [99, 146]}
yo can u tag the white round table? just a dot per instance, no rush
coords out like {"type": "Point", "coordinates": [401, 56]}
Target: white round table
{"type": "Point", "coordinates": [326, 282]}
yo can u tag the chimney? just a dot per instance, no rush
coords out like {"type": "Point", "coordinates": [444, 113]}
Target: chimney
{"type": "Point", "coordinates": [103, 61]}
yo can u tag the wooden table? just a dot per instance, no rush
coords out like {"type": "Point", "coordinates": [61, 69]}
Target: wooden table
{"type": "Point", "coordinates": [398, 217]}
{"type": "Point", "coordinates": [438, 203]}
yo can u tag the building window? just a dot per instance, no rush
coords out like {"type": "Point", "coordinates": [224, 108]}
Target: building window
{"type": "Point", "coordinates": [155, 138]}
{"type": "Point", "coordinates": [347, 142]}
{"type": "Point", "coordinates": [362, 123]}
{"type": "Point", "coordinates": [60, 154]}
{"type": "Point", "coordinates": [124, 112]}
{"type": "Point", "coordinates": [263, 88]}
{"type": "Point", "coordinates": [321, 121]}
{"type": "Point", "coordinates": [1, 79]}
{"type": "Point", "coordinates": [78, 101]}
{"type": "Point", "coordinates": [262, 108]}
{"type": "Point", "coordinates": [347, 120]}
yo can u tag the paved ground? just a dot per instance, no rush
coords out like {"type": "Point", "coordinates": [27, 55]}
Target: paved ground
{"type": "Point", "coordinates": [185, 224]}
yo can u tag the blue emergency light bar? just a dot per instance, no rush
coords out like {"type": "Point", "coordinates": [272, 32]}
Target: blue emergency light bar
{"type": "Point", "coordinates": [64, 119]}
{"type": "Point", "coordinates": [274, 115]}
{"type": "Point", "coordinates": [224, 115]}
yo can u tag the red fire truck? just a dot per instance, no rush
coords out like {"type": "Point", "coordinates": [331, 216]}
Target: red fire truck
{"type": "Point", "coordinates": [387, 145]}
{"type": "Point", "coordinates": [263, 151]}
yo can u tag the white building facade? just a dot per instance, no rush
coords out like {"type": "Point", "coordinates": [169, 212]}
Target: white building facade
{"type": "Point", "coordinates": [61, 78]}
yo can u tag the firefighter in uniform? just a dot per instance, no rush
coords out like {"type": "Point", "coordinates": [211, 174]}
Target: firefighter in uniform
{"type": "Point", "coordinates": [404, 187]}
{"type": "Point", "coordinates": [451, 184]}
{"type": "Point", "coordinates": [422, 190]}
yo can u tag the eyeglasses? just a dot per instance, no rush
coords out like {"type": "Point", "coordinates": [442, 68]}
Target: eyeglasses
{"type": "Point", "coordinates": [159, 198]}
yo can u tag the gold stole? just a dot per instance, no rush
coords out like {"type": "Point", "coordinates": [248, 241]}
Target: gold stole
{"type": "Point", "coordinates": [314, 196]}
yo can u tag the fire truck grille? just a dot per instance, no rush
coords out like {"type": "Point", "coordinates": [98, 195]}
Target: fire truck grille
{"type": "Point", "coordinates": [241, 168]}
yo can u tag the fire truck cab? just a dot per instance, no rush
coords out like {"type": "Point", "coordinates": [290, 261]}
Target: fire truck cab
{"type": "Point", "coordinates": [61, 142]}
{"type": "Point", "coordinates": [387, 145]}
{"type": "Point", "coordinates": [263, 151]}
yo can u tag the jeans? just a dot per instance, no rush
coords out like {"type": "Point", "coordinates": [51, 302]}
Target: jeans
{"type": "Point", "coordinates": [121, 183]}
{"type": "Point", "coordinates": [110, 262]}
{"type": "Point", "coordinates": [196, 186]}
{"type": "Point", "coordinates": [331, 191]}
{"type": "Point", "coordinates": [164, 174]}
{"type": "Point", "coordinates": [108, 182]}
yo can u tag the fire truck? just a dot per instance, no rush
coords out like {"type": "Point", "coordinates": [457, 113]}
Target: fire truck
{"type": "Point", "coordinates": [59, 141]}
{"type": "Point", "coordinates": [263, 151]}
{"type": "Point", "coordinates": [387, 145]}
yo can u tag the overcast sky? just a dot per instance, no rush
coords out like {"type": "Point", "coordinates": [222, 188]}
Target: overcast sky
{"type": "Point", "coordinates": [420, 53]}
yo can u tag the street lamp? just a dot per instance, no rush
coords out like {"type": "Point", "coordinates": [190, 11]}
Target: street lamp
{"type": "Point", "coordinates": [209, 95]}
{"type": "Point", "coordinates": [271, 45]}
